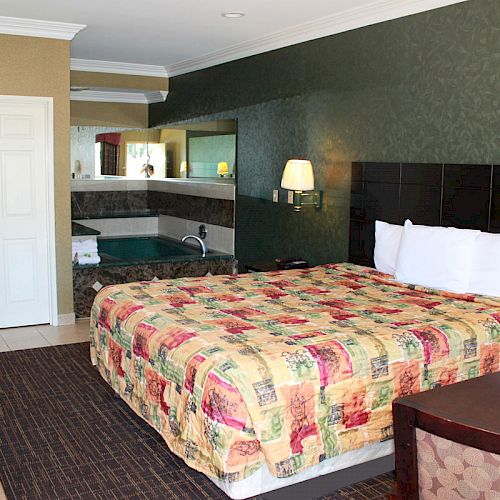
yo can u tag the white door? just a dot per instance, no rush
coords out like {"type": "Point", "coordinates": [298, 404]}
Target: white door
{"type": "Point", "coordinates": [24, 212]}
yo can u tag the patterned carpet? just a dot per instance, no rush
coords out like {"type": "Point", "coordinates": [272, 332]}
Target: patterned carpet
{"type": "Point", "coordinates": [63, 435]}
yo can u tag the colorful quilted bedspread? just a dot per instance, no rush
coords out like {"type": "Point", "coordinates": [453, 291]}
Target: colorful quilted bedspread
{"type": "Point", "coordinates": [285, 368]}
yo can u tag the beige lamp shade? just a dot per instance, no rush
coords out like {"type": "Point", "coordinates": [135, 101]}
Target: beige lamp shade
{"type": "Point", "coordinates": [222, 168]}
{"type": "Point", "coordinates": [183, 166]}
{"type": "Point", "coordinates": [298, 176]}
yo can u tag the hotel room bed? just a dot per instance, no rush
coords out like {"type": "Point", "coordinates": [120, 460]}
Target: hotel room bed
{"type": "Point", "coordinates": [265, 379]}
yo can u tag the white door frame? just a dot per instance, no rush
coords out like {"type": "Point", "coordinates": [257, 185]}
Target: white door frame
{"type": "Point", "coordinates": [50, 177]}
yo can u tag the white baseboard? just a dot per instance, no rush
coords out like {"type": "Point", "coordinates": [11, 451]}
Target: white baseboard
{"type": "Point", "coordinates": [66, 319]}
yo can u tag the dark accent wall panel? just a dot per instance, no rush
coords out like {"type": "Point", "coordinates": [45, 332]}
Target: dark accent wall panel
{"type": "Point", "coordinates": [463, 196]}
{"type": "Point", "coordinates": [423, 89]}
{"type": "Point", "coordinates": [272, 230]}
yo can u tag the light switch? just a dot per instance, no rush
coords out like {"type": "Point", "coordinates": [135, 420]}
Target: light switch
{"type": "Point", "coordinates": [275, 196]}
{"type": "Point", "coordinates": [290, 197]}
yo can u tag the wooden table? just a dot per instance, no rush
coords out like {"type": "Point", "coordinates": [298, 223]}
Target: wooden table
{"type": "Point", "coordinates": [467, 412]}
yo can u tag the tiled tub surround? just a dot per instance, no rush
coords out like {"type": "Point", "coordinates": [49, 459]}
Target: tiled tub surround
{"type": "Point", "coordinates": [123, 226]}
{"type": "Point", "coordinates": [172, 208]}
{"type": "Point", "coordinates": [210, 210]}
{"type": "Point", "coordinates": [111, 204]}
{"type": "Point", "coordinates": [100, 204]}
{"type": "Point", "coordinates": [85, 277]}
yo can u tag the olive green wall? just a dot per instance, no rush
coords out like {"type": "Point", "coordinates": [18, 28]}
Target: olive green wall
{"type": "Point", "coordinates": [425, 88]}
{"type": "Point", "coordinates": [32, 66]}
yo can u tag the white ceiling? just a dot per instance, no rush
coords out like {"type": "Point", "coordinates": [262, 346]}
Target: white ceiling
{"type": "Point", "coordinates": [183, 35]}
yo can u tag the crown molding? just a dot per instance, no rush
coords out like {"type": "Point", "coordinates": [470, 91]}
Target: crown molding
{"type": "Point", "coordinates": [119, 95]}
{"type": "Point", "coordinates": [38, 28]}
{"type": "Point", "coordinates": [119, 68]}
{"type": "Point", "coordinates": [375, 12]}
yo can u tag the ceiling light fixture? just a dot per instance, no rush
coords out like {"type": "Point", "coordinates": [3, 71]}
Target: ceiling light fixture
{"type": "Point", "coordinates": [232, 15]}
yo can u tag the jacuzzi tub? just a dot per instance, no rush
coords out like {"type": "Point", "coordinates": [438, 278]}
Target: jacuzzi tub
{"type": "Point", "coordinates": [147, 249]}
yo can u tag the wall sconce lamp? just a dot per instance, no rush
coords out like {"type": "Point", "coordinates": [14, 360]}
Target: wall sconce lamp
{"type": "Point", "coordinates": [298, 176]}
{"type": "Point", "coordinates": [222, 168]}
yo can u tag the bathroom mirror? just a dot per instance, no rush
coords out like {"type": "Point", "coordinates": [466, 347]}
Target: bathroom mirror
{"type": "Point", "coordinates": [204, 150]}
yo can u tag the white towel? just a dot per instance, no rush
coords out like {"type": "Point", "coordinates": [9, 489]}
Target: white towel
{"type": "Point", "coordinates": [83, 241]}
{"type": "Point", "coordinates": [75, 252]}
{"type": "Point", "coordinates": [84, 261]}
{"type": "Point", "coordinates": [87, 246]}
{"type": "Point", "coordinates": [87, 258]}
{"type": "Point", "coordinates": [81, 251]}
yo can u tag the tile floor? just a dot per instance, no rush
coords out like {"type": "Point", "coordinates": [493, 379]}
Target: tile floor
{"type": "Point", "coordinates": [29, 337]}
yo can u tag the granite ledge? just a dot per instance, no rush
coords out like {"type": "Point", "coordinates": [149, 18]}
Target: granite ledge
{"type": "Point", "coordinates": [81, 230]}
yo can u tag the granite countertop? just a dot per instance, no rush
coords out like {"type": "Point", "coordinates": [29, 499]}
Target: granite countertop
{"type": "Point", "coordinates": [81, 230]}
{"type": "Point", "coordinates": [210, 188]}
{"type": "Point", "coordinates": [111, 261]}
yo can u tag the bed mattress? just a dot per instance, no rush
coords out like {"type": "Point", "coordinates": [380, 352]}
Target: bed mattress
{"type": "Point", "coordinates": [279, 375]}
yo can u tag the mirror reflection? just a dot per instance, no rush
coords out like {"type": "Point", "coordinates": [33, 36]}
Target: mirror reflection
{"type": "Point", "coordinates": [195, 151]}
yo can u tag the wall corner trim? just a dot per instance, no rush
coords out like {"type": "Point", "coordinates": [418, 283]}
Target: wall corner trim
{"type": "Point", "coordinates": [39, 28]}
{"type": "Point", "coordinates": [119, 68]}
{"type": "Point", "coordinates": [119, 95]}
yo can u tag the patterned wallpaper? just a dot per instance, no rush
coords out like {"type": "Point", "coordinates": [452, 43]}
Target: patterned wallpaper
{"type": "Point", "coordinates": [425, 88]}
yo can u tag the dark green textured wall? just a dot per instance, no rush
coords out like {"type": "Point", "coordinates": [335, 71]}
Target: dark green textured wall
{"type": "Point", "coordinates": [424, 88]}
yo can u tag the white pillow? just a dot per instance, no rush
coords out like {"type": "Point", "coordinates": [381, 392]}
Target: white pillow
{"type": "Point", "coordinates": [485, 267]}
{"type": "Point", "coordinates": [387, 240]}
{"type": "Point", "coordinates": [436, 257]}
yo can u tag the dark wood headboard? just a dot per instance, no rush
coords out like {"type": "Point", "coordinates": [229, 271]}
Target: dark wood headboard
{"type": "Point", "coordinates": [464, 196]}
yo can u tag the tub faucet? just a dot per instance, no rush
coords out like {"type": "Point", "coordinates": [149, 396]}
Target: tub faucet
{"type": "Point", "coordinates": [200, 241]}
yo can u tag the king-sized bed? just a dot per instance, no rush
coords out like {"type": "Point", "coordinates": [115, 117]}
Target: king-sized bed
{"type": "Point", "coordinates": [264, 380]}
{"type": "Point", "coordinates": [266, 375]}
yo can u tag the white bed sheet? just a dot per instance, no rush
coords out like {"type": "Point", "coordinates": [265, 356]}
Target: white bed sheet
{"type": "Point", "coordinates": [263, 481]}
